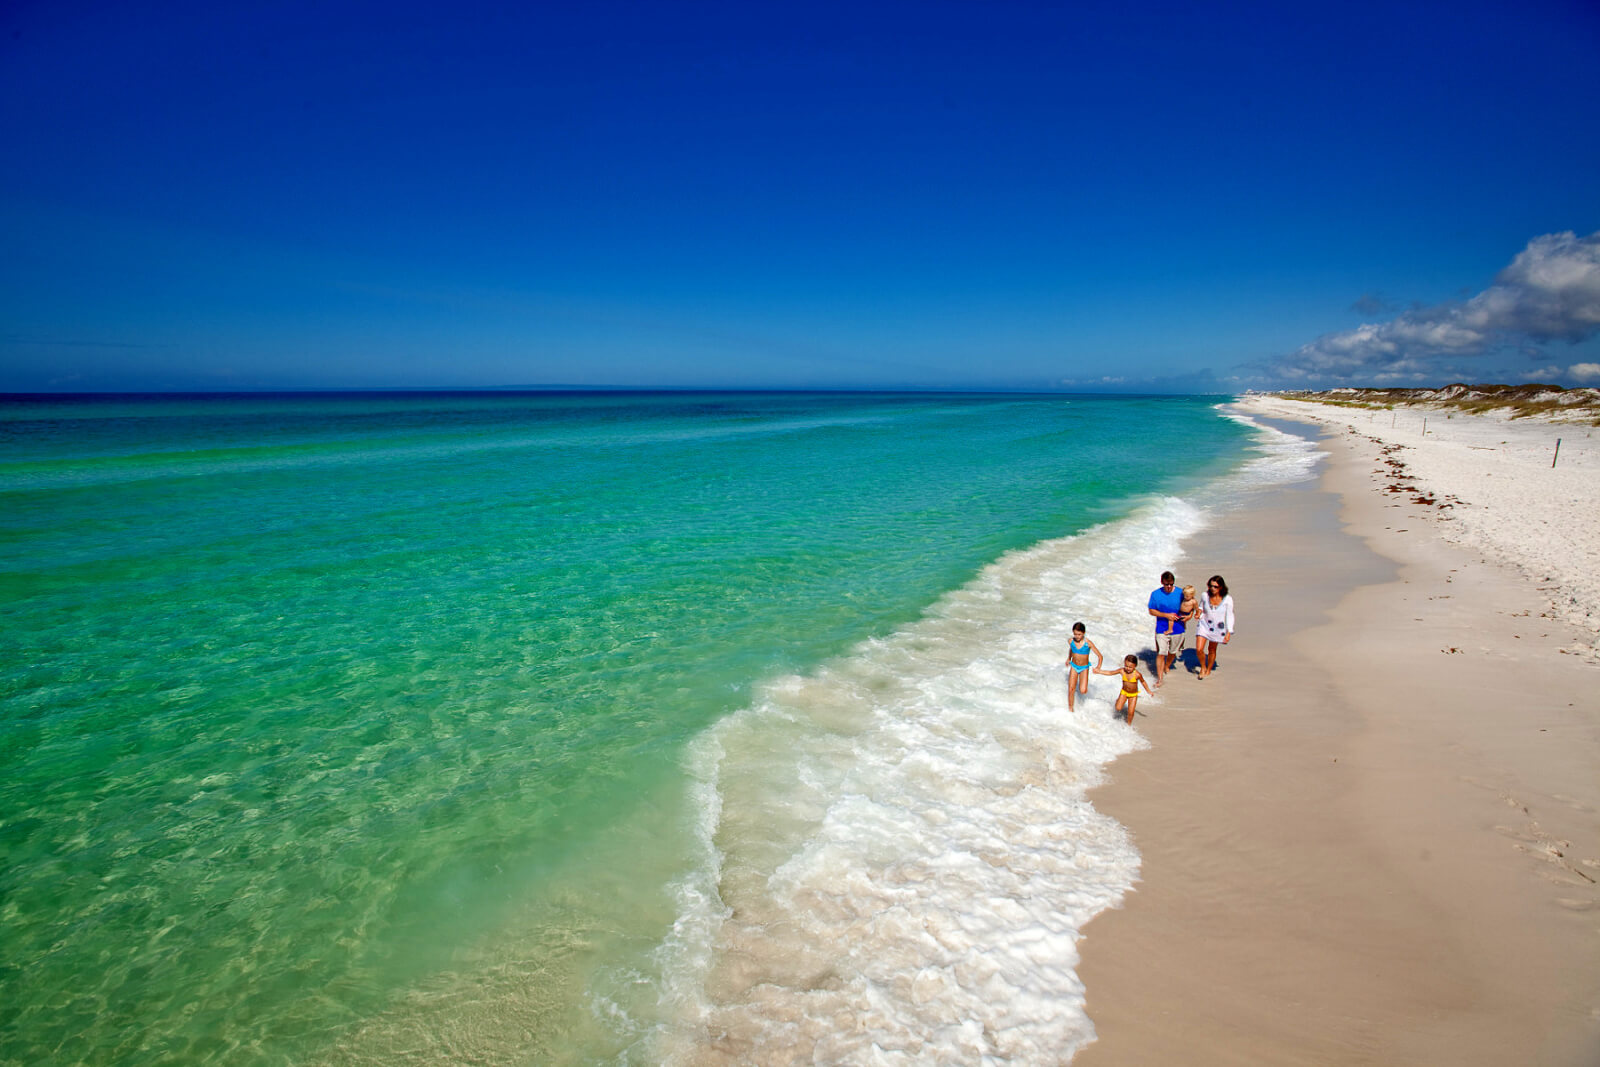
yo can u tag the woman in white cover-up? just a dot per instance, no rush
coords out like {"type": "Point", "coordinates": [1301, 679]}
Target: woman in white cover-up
{"type": "Point", "coordinates": [1215, 624]}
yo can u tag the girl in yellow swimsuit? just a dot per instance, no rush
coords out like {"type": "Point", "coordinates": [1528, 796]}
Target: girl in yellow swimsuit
{"type": "Point", "coordinates": [1128, 699]}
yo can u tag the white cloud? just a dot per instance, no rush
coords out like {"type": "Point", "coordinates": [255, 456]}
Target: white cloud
{"type": "Point", "coordinates": [1585, 372]}
{"type": "Point", "coordinates": [1549, 292]}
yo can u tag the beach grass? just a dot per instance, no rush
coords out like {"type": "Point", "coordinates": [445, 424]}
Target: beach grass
{"type": "Point", "coordinates": [1531, 400]}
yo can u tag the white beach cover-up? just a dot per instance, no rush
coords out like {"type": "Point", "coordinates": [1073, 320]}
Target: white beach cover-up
{"type": "Point", "coordinates": [1216, 620]}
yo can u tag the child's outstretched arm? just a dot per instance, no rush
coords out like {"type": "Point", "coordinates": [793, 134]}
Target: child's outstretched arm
{"type": "Point", "coordinates": [1146, 684]}
{"type": "Point", "coordinates": [1101, 670]}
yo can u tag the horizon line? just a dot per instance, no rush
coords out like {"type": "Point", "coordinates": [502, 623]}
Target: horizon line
{"type": "Point", "coordinates": [565, 388]}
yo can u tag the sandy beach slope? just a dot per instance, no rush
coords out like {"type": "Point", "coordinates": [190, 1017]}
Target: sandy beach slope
{"type": "Point", "coordinates": [1525, 492]}
{"type": "Point", "coordinates": [1373, 836]}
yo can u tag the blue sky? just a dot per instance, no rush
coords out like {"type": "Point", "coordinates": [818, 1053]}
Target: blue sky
{"type": "Point", "coordinates": [1183, 197]}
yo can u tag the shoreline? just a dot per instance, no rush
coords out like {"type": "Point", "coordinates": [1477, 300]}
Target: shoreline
{"type": "Point", "coordinates": [1521, 491]}
{"type": "Point", "coordinates": [1373, 835]}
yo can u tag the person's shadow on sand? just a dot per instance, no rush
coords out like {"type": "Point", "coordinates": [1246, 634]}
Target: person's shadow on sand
{"type": "Point", "coordinates": [1188, 660]}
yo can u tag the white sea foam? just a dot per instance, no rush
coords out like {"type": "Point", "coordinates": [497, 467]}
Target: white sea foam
{"type": "Point", "coordinates": [1280, 459]}
{"type": "Point", "coordinates": [899, 855]}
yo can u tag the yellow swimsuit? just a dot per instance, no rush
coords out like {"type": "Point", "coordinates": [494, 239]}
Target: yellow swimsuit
{"type": "Point", "coordinates": [1130, 692]}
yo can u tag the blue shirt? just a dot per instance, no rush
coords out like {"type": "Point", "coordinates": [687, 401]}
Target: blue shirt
{"type": "Point", "coordinates": [1162, 601]}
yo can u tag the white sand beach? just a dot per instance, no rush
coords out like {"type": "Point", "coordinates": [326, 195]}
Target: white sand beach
{"type": "Point", "coordinates": [1502, 489]}
{"type": "Point", "coordinates": [1373, 835]}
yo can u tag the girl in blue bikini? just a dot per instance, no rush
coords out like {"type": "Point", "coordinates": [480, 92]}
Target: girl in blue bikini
{"type": "Point", "coordinates": [1078, 664]}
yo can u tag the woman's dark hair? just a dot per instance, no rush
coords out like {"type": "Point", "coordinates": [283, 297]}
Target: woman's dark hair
{"type": "Point", "coordinates": [1222, 586]}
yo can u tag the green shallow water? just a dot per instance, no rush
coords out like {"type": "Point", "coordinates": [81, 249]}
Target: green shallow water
{"type": "Point", "coordinates": [324, 716]}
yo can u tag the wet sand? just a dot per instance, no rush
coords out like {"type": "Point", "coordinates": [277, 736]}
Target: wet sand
{"type": "Point", "coordinates": [1373, 835]}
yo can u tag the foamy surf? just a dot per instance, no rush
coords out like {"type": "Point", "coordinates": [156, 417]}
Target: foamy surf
{"type": "Point", "coordinates": [899, 855]}
{"type": "Point", "coordinates": [905, 856]}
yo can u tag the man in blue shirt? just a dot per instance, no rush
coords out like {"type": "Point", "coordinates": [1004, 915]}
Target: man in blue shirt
{"type": "Point", "coordinates": [1164, 605]}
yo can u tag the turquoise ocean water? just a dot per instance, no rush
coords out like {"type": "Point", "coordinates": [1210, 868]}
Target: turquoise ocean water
{"type": "Point", "coordinates": [502, 727]}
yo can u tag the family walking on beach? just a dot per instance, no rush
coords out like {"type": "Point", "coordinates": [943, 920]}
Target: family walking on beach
{"type": "Point", "coordinates": [1175, 611]}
